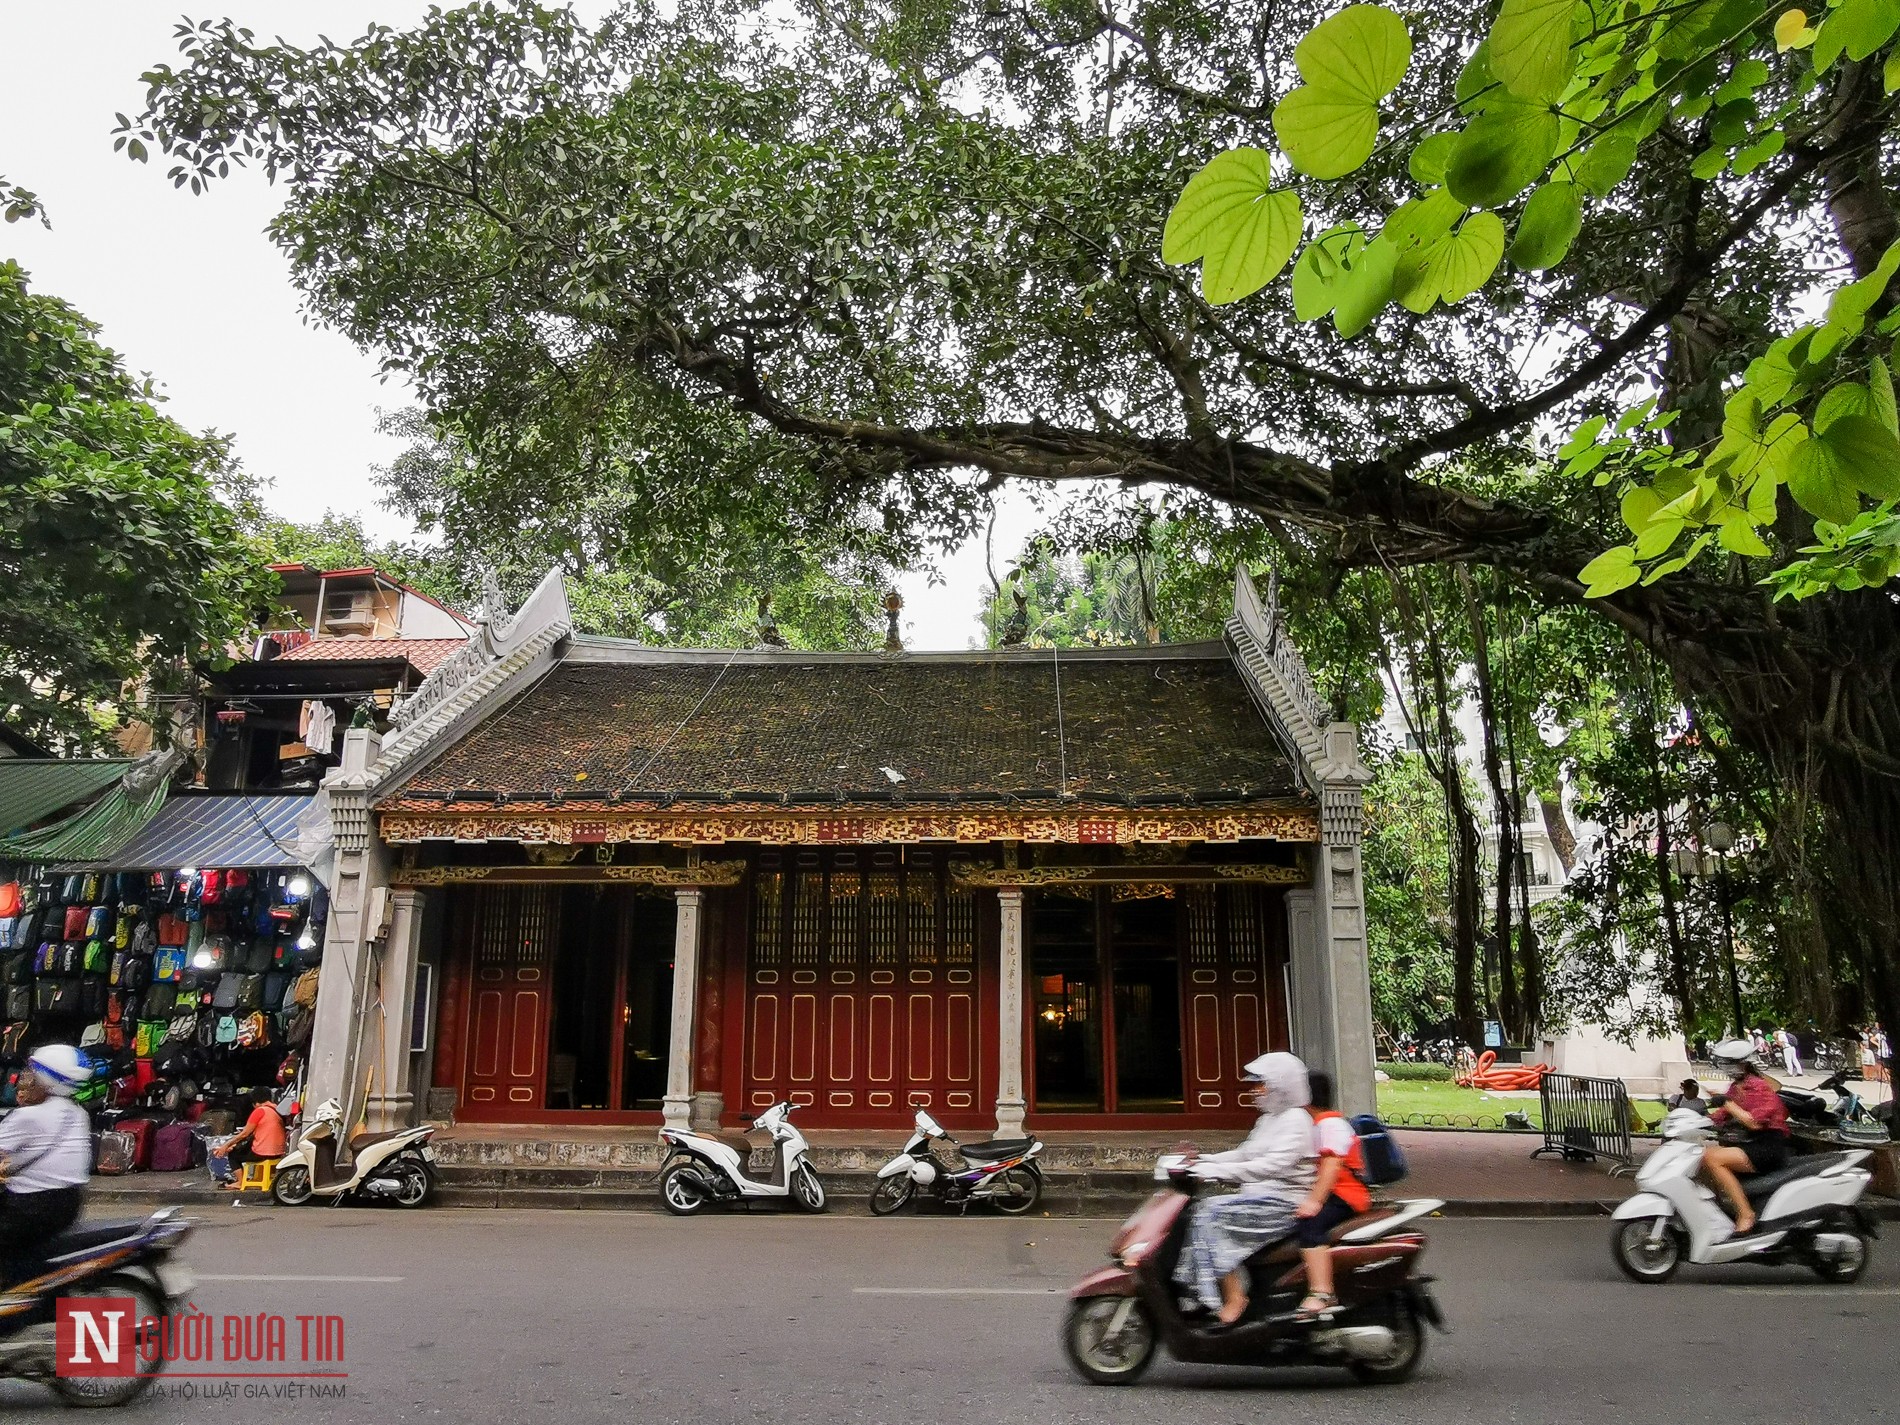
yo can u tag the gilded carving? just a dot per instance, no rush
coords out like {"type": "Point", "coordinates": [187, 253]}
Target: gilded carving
{"type": "Point", "coordinates": [709, 873]}
{"type": "Point", "coordinates": [1146, 876]}
{"type": "Point", "coordinates": [1284, 821]}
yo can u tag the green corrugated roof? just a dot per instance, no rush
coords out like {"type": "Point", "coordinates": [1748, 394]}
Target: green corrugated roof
{"type": "Point", "coordinates": [33, 788]}
{"type": "Point", "coordinates": [89, 835]}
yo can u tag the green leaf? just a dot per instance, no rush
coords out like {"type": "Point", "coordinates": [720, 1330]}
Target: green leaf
{"type": "Point", "coordinates": [1743, 81]}
{"type": "Point", "coordinates": [1639, 505]}
{"type": "Point", "coordinates": [1868, 452]}
{"type": "Point", "coordinates": [1325, 133]}
{"type": "Point", "coordinates": [1427, 164]}
{"type": "Point", "coordinates": [1361, 53]}
{"type": "Point", "coordinates": [1613, 569]}
{"type": "Point", "coordinates": [1321, 267]}
{"type": "Point", "coordinates": [1850, 398]}
{"type": "Point", "coordinates": [1682, 560]}
{"type": "Point", "coordinates": [1758, 153]}
{"type": "Point", "coordinates": [1501, 153]}
{"type": "Point", "coordinates": [1608, 160]}
{"type": "Point", "coordinates": [1863, 26]}
{"type": "Point", "coordinates": [1880, 384]}
{"type": "Point", "coordinates": [1821, 482]}
{"type": "Point", "coordinates": [1656, 537]}
{"type": "Point", "coordinates": [1890, 72]}
{"type": "Point", "coordinates": [1710, 163]}
{"type": "Point", "coordinates": [1584, 437]}
{"type": "Point", "coordinates": [1738, 536]}
{"type": "Point", "coordinates": [1530, 47]}
{"type": "Point", "coordinates": [1550, 223]}
{"type": "Point", "coordinates": [1365, 289]}
{"type": "Point", "coordinates": [1229, 217]}
{"type": "Point", "coordinates": [1421, 221]}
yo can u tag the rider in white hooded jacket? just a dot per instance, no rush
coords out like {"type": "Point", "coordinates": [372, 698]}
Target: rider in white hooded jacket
{"type": "Point", "coordinates": [1275, 1169]}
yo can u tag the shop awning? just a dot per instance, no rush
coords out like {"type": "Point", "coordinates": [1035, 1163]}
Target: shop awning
{"type": "Point", "coordinates": [212, 830]}
{"type": "Point", "coordinates": [33, 788]}
{"type": "Point", "coordinates": [87, 835]}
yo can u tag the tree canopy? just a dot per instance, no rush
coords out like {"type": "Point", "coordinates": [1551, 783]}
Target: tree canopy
{"type": "Point", "coordinates": [122, 567]}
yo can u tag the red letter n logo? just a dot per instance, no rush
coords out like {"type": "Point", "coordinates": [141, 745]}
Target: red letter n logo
{"type": "Point", "coordinates": [97, 1336]}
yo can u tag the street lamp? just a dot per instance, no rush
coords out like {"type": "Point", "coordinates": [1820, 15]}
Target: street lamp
{"type": "Point", "coordinates": [1721, 838]}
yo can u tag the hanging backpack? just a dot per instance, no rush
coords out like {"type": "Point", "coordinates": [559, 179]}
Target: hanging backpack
{"type": "Point", "coordinates": [169, 963]}
{"type": "Point", "coordinates": [151, 1034]}
{"type": "Point", "coordinates": [20, 1002]}
{"type": "Point", "coordinates": [227, 1029]}
{"type": "Point", "coordinates": [9, 898]}
{"type": "Point", "coordinates": [91, 887]}
{"type": "Point", "coordinates": [97, 961]}
{"type": "Point", "coordinates": [136, 975]}
{"type": "Point", "coordinates": [303, 993]}
{"type": "Point", "coordinates": [250, 993]}
{"type": "Point", "coordinates": [276, 986]}
{"type": "Point", "coordinates": [159, 1002]}
{"type": "Point", "coordinates": [98, 923]}
{"type": "Point", "coordinates": [144, 938]}
{"type": "Point", "coordinates": [74, 925]}
{"type": "Point", "coordinates": [17, 969]}
{"type": "Point", "coordinates": [206, 1031]}
{"type": "Point", "coordinates": [92, 996]}
{"type": "Point", "coordinates": [115, 1006]}
{"type": "Point", "coordinates": [122, 933]}
{"type": "Point", "coordinates": [226, 996]}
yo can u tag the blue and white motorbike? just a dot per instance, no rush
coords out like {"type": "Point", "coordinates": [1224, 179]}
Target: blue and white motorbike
{"type": "Point", "coordinates": [1001, 1172]}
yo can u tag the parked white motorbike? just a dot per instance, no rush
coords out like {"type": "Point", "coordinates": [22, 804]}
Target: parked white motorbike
{"type": "Point", "coordinates": [1808, 1213]}
{"type": "Point", "coordinates": [706, 1168]}
{"type": "Point", "coordinates": [1002, 1172]}
{"type": "Point", "coordinates": [399, 1166]}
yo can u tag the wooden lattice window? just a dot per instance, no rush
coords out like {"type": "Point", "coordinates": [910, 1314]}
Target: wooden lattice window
{"type": "Point", "coordinates": [959, 927]}
{"type": "Point", "coordinates": [1203, 927]}
{"type": "Point", "coordinates": [886, 909]}
{"type": "Point", "coordinates": [768, 916]}
{"type": "Point", "coordinates": [847, 903]}
{"type": "Point", "coordinates": [1243, 926]}
{"type": "Point", "coordinates": [808, 912]}
{"type": "Point", "coordinates": [921, 920]}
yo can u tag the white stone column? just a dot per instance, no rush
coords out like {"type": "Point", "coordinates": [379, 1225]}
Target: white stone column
{"type": "Point", "coordinates": [1011, 1106]}
{"type": "Point", "coordinates": [677, 1107]}
{"type": "Point", "coordinates": [391, 1101]}
{"type": "Point", "coordinates": [334, 1062]}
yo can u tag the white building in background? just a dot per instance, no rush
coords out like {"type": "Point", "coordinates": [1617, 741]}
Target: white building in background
{"type": "Point", "coordinates": [1648, 1064]}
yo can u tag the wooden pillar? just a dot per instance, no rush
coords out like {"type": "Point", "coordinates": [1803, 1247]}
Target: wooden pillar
{"type": "Point", "coordinates": [709, 1099]}
{"type": "Point", "coordinates": [1011, 1106]}
{"type": "Point", "coordinates": [677, 1107]}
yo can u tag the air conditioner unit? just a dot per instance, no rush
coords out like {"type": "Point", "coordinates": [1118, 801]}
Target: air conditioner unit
{"type": "Point", "coordinates": [350, 613]}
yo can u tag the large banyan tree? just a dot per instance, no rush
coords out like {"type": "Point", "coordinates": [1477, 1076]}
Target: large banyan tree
{"type": "Point", "coordinates": [1522, 289]}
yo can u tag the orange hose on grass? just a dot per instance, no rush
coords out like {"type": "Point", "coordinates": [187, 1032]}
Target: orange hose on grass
{"type": "Point", "coordinates": [1486, 1074]}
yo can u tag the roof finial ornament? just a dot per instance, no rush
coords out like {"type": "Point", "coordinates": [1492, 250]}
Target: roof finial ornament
{"type": "Point", "coordinates": [769, 635]}
{"type": "Point", "coordinates": [893, 606]}
{"type": "Point", "coordinates": [1017, 629]}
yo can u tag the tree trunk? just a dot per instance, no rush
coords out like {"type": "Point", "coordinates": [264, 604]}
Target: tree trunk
{"type": "Point", "coordinates": [1505, 813]}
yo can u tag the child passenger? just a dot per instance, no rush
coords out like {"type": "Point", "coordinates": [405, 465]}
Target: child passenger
{"type": "Point", "coordinates": [1339, 1192]}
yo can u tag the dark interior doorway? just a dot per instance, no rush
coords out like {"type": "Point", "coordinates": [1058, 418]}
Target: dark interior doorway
{"type": "Point", "coordinates": [613, 993]}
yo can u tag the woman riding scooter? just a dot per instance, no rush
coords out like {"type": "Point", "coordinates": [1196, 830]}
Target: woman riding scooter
{"type": "Point", "coordinates": [45, 1157]}
{"type": "Point", "coordinates": [1275, 1170]}
{"type": "Point", "coordinates": [1753, 1104]}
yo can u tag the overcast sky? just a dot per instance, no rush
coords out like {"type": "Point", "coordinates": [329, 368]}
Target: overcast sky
{"type": "Point", "coordinates": [190, 290]}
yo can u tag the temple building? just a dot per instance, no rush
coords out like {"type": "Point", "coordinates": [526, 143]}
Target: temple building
{"type": "Point", "coordinates": [584, 880]}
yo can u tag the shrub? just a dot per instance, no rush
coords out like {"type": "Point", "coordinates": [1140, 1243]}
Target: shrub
{"type": "Point", "coordinates": [1417, 1073]}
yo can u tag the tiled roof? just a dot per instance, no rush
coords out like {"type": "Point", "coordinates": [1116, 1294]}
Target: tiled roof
{"type": "Point", "coordinates": [423, 654]}
{"type": "Point", "coordinates": [1136, 726]}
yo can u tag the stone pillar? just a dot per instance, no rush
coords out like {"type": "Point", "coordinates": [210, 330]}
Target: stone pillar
{"type": "Point", "coordinates": [1310, 1027]}
{"type": "Point", "coordinates": [1343, 969]}
{"type": "Point", "coordinates": [1011, 1106]}
{"type": "Point", "coordinates": [334, 1064]}
{"type": "Point", "coordinates": [677, 1107]}
{"type": "Point", "coordinates": [391, 1100]}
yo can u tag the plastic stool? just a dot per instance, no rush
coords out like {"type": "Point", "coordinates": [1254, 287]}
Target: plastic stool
{"type": "Point", "coordinates": [255, 1174]}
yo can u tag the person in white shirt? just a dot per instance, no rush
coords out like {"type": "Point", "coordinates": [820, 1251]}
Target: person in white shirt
{"type": "Point", "coordinates": [1275, 1168]}
{"type": "Point", "coordinates": [45, 1158]}
{"type": "Point", "coordinates": [1790, 1051]}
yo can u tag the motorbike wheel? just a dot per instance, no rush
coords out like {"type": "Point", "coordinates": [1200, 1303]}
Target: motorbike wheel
{"type": "Point", "coordinates": [807, 1191]}
{"type": "Point", "coordinates": [291, 1186]}
{"type": "Point", "coordinates": [1644, 1257]}
{"type": "Point", "coordinates": [682, 1189]}
{"type": "Point", "coordinates": [1119, 1360]}
{"type": "Point", "coordinates": [107, 1391]}
{"type": "Point", "coordinates": [892, 1194]}
{"type": "Point", "coordinates": [1845, 1268]}
{"type": "Point", "coordinates": [1016, 1191]}
{"type": "Point", "coordinates": [418, 1183]}
{"type": "Point", "coordinates": [1408, 1348]}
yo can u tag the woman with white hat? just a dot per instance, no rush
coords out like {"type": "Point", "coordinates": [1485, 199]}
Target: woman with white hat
{"type": "Point", "coordinates": [45, 1158]}
{"type": "Point", "coordinates": [1274, 1168]}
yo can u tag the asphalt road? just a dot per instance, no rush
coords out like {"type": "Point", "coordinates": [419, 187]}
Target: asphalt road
{"type": "Point", "coordinates": [628, 1317]}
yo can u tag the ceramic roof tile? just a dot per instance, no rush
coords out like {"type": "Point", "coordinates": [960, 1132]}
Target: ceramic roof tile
{"type": "Point", "coordinates": [424, 654]}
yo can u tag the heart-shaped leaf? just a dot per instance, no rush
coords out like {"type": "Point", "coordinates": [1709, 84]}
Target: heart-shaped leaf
{"type": "Point", "coordinates": [1361, 53]}
{"type": "Point", "coordinates": [1327, 134]}
{"type": "Point", "coordinates": [1549, 225]}
{"type": "Point", "coordinates": [1530, 47]}
{"type": "Point", "coordinates": [1232, 220]}
{"type": "Point", "coordinates": [1321, 267]}
{"type": "Point", "coordinates": [1501, 153]}
{"type": "Point", "coordinates": [1615, 568]}
{"type": "Point", "coordinates": [1365, 289]}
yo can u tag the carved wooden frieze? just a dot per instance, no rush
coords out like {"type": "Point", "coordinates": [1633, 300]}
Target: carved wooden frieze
{"type": "Point", "coordinates": [1295, 821]}
{"type": "Point", "coordinates": [1031, 876]}
{"type": "Point", "coordinates": [707, 873]}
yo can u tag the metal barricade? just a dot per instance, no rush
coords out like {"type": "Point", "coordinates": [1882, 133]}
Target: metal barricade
{"type": "Point", "coordinates": [1587, 1119]}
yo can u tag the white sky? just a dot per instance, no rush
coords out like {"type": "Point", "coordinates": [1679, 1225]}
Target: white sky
{"type": "Point", "coordinates": [190, 290]}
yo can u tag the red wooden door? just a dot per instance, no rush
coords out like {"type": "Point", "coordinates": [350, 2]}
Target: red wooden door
{"type": "Point", "coordinates": [515, 929]}
{"type": "Point", "coordinates": [861, 986]}
{"type": "Point", "coordinates": [1235, 988]}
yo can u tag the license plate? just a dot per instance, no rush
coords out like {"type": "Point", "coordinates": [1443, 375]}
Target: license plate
{"type": "Point", "coordinates": [176, 1281]}
{"type": "Point", "coordinates": [428, 1153]}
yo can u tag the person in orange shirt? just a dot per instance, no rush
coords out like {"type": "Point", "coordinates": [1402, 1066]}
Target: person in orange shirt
{"type": "Point", "coordinates": [1339, 1193]}
{"type": "Point", "coordinates": [262, 1135]}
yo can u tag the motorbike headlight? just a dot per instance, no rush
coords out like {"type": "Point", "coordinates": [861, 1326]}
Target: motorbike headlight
{"type": "Point", "coordinates": [1133, 1254]}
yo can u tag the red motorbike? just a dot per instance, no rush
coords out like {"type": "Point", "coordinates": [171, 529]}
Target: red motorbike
{"type": "Point", "coordinates": [1119, 1314]}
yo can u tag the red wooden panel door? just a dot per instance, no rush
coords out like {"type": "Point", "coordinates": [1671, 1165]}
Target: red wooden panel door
{"type": "Point", "coordinates": [1235, 991]}
{"type": "Point", "coordinates": [514, 932]}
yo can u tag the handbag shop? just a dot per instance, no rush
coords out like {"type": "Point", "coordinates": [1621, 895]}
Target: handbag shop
{"type": "Point", "coordinates": [184, 962]}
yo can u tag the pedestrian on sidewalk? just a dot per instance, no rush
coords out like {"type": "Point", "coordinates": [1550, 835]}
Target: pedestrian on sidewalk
{"type": "Point", "coordinates": [1689, 1097]}
{"type": "Point", "coordinates": [1790, 1051]}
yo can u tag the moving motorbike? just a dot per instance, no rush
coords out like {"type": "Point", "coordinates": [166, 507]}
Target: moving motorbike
{"type": "Point", "coordinates": [1809, 1212]}
{"type": "Point", "coordinates": [1119, 1314]}
{"type": "Point", "coordinates": [705, 1168]}
{"type": "Point", "coordinates": [129, 1260]}
{"type": "Point", "coordinates": [398, 1166]}
{"type": "Point", "coordinates": [1001, 1172]}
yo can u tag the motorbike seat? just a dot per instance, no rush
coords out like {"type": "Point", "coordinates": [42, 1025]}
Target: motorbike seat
{"type": "Point", "coordinates": [87, 1237]}
{"type": "Point", "coordinates": [1759, 1187]}
{"type": "Point", "coordinates": [369, 1140]}
{"type": "Point", "coordinates": [995, 1148]}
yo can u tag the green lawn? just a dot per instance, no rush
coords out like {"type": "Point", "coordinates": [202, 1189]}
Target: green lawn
{"type": "Point", "coordinates": [1447, 1105]}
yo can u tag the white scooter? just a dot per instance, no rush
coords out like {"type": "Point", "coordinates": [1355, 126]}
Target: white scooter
{"type": "Point", "coordinates": [1002, 1172]}
{"type": "Point", "coordinates": [399, 1166]}
{"type": "Point", "coordinates": [1808, 1212]}
{"type": "Point", "coordinates": [706, 1168]}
